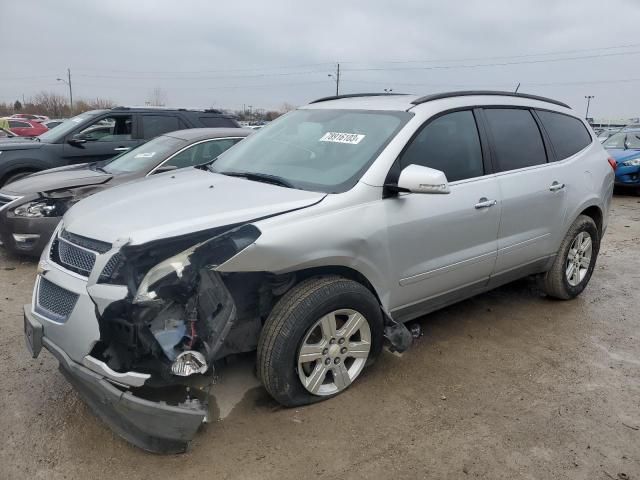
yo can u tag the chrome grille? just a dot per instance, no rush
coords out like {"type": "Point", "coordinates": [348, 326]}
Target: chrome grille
{"type": "Point", "coordinates": [76, 253]}
{"type": "Point", "coordinates": [74, 257]}
{"type": "Point", "coordinates": [54, 302]}
{"type": "Point", "coordinates": [110, 267]}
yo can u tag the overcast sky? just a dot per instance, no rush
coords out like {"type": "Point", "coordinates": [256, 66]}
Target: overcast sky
{"type": "Point", "coordinates": [264, 53]}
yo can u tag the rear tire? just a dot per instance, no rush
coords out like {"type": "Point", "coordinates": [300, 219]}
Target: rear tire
{"type": "Point", "coordinates": [575, 261]}
{"type": "Point", "coordinates": [317, 339]}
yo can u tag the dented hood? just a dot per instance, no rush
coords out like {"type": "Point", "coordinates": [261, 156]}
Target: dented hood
{"type": "Point", "coordinates": [179, 203]}
{"type": "Point", "coordinates": [58, 179]}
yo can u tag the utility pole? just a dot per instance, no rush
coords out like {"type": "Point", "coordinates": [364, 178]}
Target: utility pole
{"type": "Point", "coordinates": [336, 78]}
{"type": "Point", "coordinates": [68, 83]}
{"type": "Point", "coordinates": [588, 97]}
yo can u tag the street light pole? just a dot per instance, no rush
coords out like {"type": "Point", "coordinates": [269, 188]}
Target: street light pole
{"type": "Point", "coordinates": [588, 97]}
{"type": "Point", "coordinates": [68, 83]}
{"type": "Point", "coordinates": [336, 78]}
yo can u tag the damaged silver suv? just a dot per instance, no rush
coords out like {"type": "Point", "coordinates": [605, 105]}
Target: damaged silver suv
{"type": "Point", "coordinates": [310, 243]}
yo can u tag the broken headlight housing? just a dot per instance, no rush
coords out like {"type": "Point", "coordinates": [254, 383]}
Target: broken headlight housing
{"type": "Point", "coordinates": [37, 208]}
{"type": "Point", "coordinates": [177, 273]}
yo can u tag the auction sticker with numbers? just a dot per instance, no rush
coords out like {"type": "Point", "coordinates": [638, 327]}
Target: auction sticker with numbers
{"type": "Point", "coordinates": [338, 137]}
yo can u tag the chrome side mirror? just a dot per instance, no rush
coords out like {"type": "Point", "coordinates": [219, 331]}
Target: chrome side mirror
{"type": "Point", "coordinates": [419, 179]}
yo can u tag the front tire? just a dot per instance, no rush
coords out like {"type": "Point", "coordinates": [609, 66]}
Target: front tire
{"type": "Point", "coordinates": [317, 340]}
{"type": "Point", "coordinates": [575, 261]}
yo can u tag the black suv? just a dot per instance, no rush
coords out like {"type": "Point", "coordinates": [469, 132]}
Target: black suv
{"type": "Point", "coordinates": [98, 135]}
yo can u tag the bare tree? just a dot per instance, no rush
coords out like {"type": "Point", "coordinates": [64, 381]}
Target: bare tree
{"type": "Point", "coordinates": [157, 97]}
{"type": "Point", "coordinates": [50, 102]}
{"type": "Point", "coordinates": [286, 107]}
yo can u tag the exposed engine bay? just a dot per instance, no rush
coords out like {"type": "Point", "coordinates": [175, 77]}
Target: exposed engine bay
{"type": "Point", "coordinates": [180, 316]}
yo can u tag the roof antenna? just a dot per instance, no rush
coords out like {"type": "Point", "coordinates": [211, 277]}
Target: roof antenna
{"type": "Point", "coordinates": [516, 91]}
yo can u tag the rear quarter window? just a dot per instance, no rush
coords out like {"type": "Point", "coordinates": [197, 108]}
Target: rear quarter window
{"type": "Point", "coordinates": [568, 135]}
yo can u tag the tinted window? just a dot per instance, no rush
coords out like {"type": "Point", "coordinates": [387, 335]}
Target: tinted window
{"type": "Point", "coordinates": [17, 124]}
{"type": "Point", "coordinates": [154, 125]}
{"type": "Point", "coordinates": [202, 152]}
{"type": "Point", "coordinates": [517, 142]}
{"type": "Point", "coordinates": [216, 122]}
{"type": "Point", "coordinates": [449, 143]}
{"type": "Point", "coordinates": [568, 135]}
{"type": "Point", "coordinates": [107, 129]}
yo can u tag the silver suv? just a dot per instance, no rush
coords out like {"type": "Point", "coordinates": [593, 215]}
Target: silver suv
{"type": "Point", "coordinates": [310, 243]}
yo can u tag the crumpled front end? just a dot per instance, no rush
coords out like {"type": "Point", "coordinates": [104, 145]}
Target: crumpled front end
{"type": "Point", "coordinates": [138, 331]}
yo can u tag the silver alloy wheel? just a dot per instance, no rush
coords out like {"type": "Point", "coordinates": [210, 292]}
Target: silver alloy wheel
{"type": "Point", "coordinates": [334, 352]}
{"type": "Point", "coordinates": [579, 258]}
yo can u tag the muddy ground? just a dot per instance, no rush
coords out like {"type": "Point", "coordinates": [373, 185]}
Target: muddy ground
{"type": "Point", "coordinates": [505, 385]}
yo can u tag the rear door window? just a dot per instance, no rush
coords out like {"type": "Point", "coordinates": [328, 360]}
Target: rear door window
{"type": "Point", "coordinates": [568, 135]}
{"type": "Point", "coordinates": [517, 142]}
{"type": "Point", "coordinates": [154, 125]}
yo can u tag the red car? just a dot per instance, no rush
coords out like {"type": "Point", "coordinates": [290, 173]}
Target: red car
{"type": "Point", "coordinates": [26, 128]}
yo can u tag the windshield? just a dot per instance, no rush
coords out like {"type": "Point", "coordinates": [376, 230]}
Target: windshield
{"type": "Point", "coordinates": [318, 150]}
{"type": "Point", "coordinates": [145, 157]}
{"type": "Point", "coordinates": [624, 139]}
{"type": "Point", "coordinates": [64, 128]}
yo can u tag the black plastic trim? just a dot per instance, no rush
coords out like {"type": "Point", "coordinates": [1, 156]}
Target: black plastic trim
{"type": "Point", "coordinates": [355, 95]}
{"type": "Point", "coordinates": [468, 93]}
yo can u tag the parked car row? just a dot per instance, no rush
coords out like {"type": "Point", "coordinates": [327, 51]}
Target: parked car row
{"type": "Point", "coordinates": [36, 204]}
{"type": "Point", "coordinates": [99, 135]}
{"type": "Point", "coordinates": [310, 243]}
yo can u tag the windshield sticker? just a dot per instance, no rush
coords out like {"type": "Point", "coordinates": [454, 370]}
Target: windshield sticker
{"type": "Point", "coordinates": [145, 155]}
{"type": "Point", "coordinates": [337, 137]}
{"type": "Point", "coordinates": [77, 119]}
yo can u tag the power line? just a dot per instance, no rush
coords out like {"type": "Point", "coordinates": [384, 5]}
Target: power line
{"type": "Point", "coordinates": [499, 64]}
{"type": "Point", "coordinates": [144, 75]}
{"type": "Point", "coordinates": [526, 55]}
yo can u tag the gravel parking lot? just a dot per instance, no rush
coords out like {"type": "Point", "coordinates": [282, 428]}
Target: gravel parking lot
{"type": "Point", "coordinates": [506, 385]}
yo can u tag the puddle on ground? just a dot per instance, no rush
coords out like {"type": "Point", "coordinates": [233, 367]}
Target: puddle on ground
{"type": "Point", "coordinates": [234, 382]}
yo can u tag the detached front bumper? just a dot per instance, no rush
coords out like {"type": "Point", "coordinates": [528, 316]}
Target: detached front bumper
{"type": "Point", "coordinates": [152, 426]}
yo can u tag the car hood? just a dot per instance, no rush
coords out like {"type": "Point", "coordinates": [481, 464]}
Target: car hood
{"type": "Point", "coordinates": [621, 155]}
{"type": "Point", "coordinates": [18, 143]}
{"type": "Point", "coordinates": [178, 203]}
{"type": "Point", "coordinates": [57, 179]}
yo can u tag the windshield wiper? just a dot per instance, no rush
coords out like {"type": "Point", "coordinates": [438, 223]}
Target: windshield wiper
{"type": "Point", "coordinates": [259, 177]}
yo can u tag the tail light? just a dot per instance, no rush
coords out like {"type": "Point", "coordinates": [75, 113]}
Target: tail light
{"type": "Point", "coordinates": [613, 163]}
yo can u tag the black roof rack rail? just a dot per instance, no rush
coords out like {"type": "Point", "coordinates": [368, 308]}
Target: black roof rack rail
{"type": "Point", "coordinates": [355, 95]}
{"type": "Point", "coordinates": [120, 107]}
{"type": "Point", "coordinates": [466, 93]}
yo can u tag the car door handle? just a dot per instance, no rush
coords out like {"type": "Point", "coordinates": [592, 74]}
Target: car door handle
{"type": "Point", "coordinates": [555, 186]}
{"type": "Point", "coordinates": [121, 149]}
{"type": "Point", "coordinates": [484, 203]}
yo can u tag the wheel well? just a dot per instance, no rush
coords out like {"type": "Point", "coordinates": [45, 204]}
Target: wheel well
{"type": "Point", "coordinates": [346, 272]}
{"type": "Point", "coordinates": [596, 214]}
